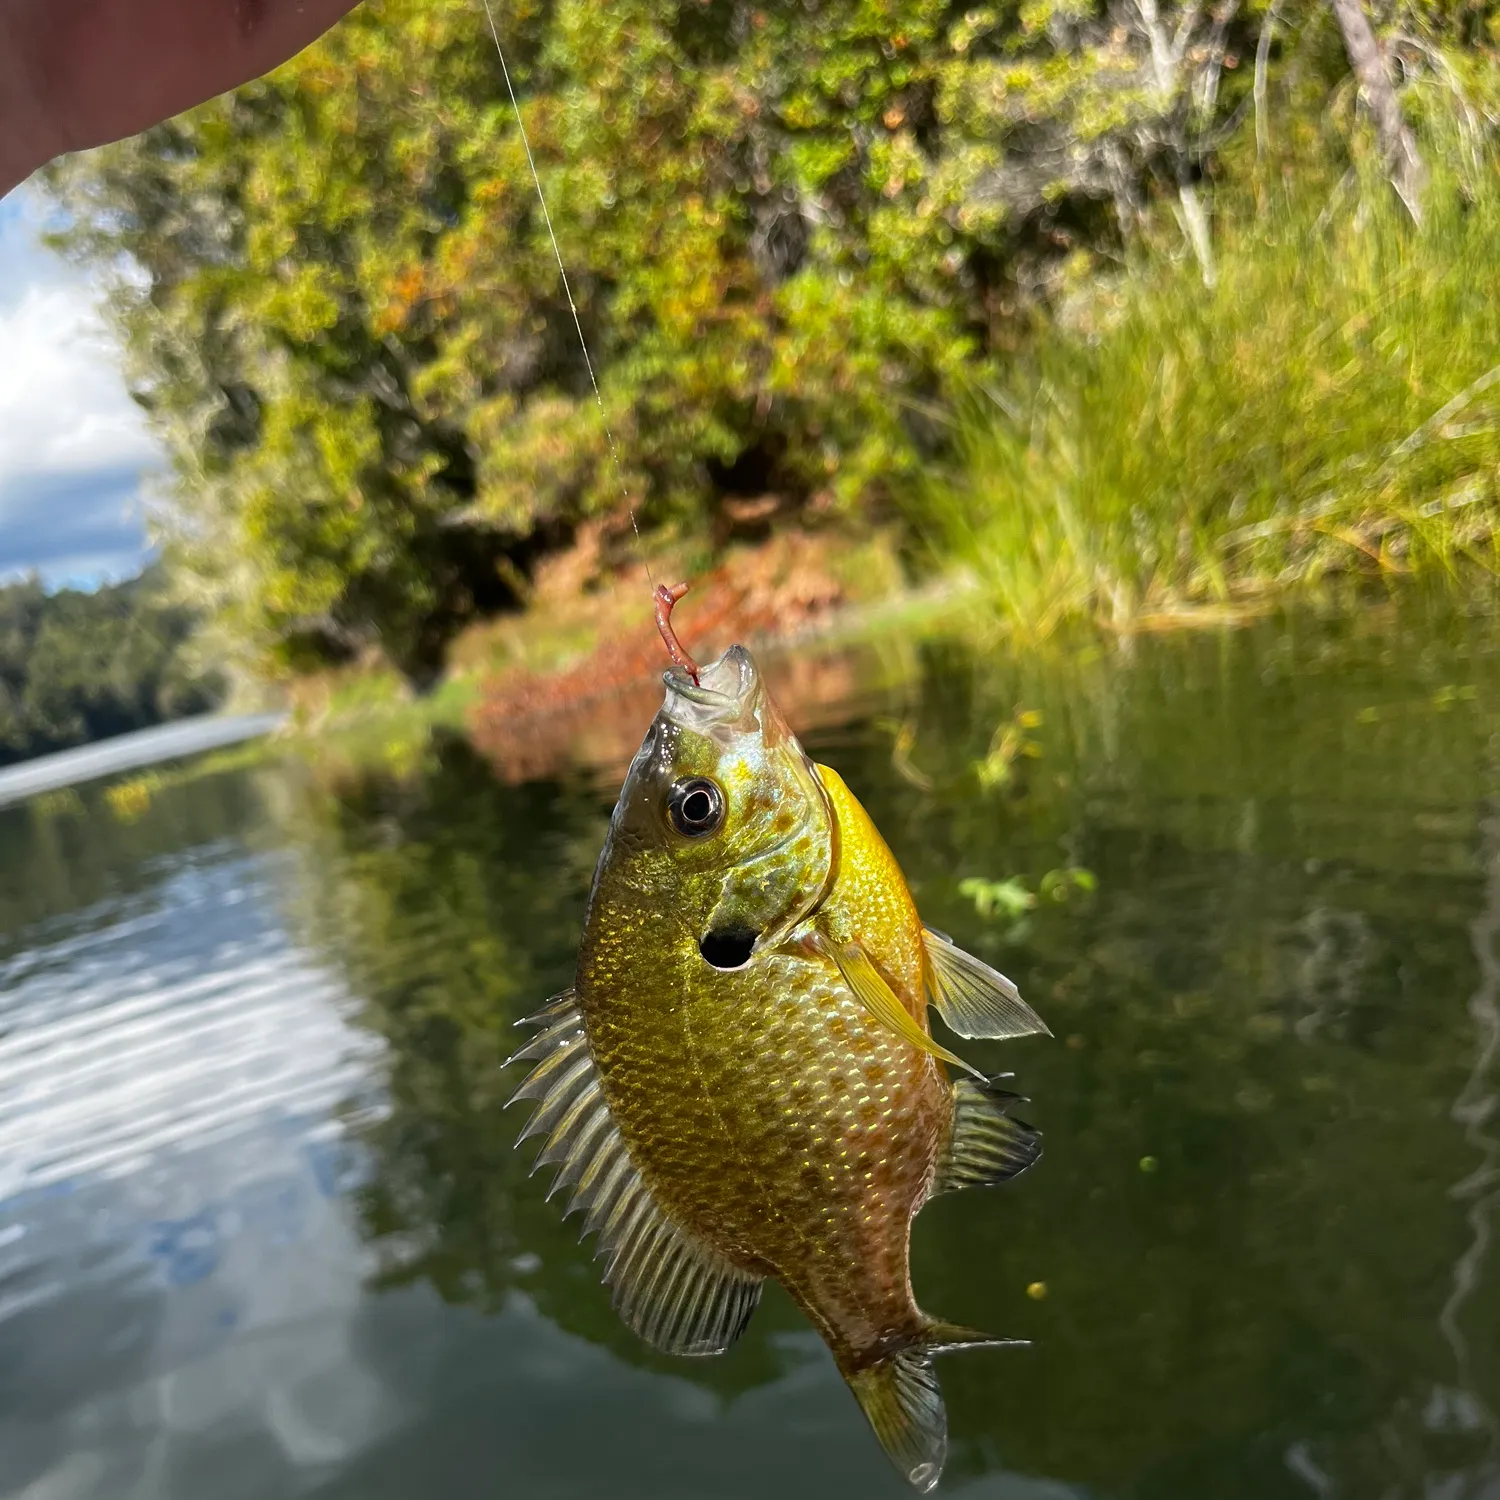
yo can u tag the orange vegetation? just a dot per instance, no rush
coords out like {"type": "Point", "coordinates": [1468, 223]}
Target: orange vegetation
{"type": "Point", "coordinates": [595, 711]}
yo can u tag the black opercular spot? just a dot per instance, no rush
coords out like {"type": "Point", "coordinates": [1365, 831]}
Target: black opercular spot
{"type": "Point", "coordinates": [727, 947]}
{"type": "Point", "coordinates": [695, 806]}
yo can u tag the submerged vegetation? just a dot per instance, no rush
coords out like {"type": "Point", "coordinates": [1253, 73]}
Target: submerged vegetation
{"type": "Point", "coordinates": [1192, 300]}
{"type": "Point", "coordinates": [1265, 988]}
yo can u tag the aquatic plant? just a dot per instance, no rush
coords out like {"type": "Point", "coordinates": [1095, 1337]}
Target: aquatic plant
{"type": "Point", "coordinates": [1011, 741]}
{"type": "Point", "coordinates": [1330, 407]}
{"type": "Point", "coordinates": [131, 799]}
{"type": "Point", "coordinates": [1008, 898]}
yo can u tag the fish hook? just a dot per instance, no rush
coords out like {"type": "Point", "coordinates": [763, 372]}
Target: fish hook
{"type": "Point", "coordinates": [665, 598]}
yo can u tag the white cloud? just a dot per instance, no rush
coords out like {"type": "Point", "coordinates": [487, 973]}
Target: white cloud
{"type": "Point", "coordinates": [62, 403]}
{"type": "Point", "coordinates": [73, 446]}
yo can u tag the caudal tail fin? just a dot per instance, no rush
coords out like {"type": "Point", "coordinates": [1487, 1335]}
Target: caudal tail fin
{"type": "Point", "coordinates": [900, 1395]}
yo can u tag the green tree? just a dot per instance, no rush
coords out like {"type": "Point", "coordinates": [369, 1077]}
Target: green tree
{"type": "Point", "coordinates": [78, 666]}
{"type": "Point", "coordinates": [790, 229]}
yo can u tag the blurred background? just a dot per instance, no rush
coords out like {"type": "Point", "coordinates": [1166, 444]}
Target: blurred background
{"type": "Point", "coordinates": [1090, 412]}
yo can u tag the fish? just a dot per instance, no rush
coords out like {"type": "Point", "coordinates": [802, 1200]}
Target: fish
{"type": "Point", "coordinates": [742, 1082]}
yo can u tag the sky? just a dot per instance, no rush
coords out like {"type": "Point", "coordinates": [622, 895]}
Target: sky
{"type": "Point", "coordinates": [74, 449]}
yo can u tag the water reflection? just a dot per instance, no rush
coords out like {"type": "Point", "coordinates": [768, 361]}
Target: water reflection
{"type": "Point", "coordinates": [175, 1258]}
{"type": "Point", "coordinates": [1458, 1416]}
{"type": "Point", "coordinates": [264, 1233]}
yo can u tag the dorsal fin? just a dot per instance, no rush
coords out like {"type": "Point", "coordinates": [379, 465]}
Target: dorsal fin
{"type": "Point", "coordinates": [669, 1287]}
{"type": "Point", "coordinates": [974, 999]}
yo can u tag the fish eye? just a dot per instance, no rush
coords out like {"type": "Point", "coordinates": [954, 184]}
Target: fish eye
{"type": "Point", "coordinates": [696, 807]}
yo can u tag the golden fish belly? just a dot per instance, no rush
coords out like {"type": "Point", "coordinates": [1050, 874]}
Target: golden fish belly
{"type": "Point", "coordinates": [774, 1118]}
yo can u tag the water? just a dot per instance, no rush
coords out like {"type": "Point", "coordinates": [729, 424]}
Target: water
{"type": "Point", "coordinates": [262, 1233]}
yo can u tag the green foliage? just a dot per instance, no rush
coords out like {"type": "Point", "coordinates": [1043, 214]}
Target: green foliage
{"type": "Point", "coordinates": [789, 231]}
{"type": "Point", "coordinates": [77, 666]}
{"type": "Point", "coordinates": [1332, 405]}
{"type": "Point", "coordinates": [1007, 902]}
{"type": "Point", "coordinates": [130, 800]}
{"type": "Point", "coordinates": [1011, 741]}
{"type": "Point", "coordinates": [997, 898]}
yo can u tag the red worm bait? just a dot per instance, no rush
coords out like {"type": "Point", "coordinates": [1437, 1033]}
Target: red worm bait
{"type": "Point", "coordinates": [665, 598]}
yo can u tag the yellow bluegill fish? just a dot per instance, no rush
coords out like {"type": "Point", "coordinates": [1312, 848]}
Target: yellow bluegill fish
{"type": "Point", "coordinates": [742, 1083]}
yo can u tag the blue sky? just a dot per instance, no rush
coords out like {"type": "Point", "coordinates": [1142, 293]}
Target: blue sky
{"type": "Point", "coordinates": [74, 450]}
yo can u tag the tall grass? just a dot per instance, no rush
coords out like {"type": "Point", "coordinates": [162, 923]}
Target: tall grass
{"type": "Point", "coordinates": [1331, 406]}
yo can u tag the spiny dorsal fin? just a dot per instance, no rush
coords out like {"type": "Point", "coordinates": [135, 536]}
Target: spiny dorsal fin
{"type": "Point", "coordinates": [972, 998]}
{"type": "Point", "coordinates": [670, 1288]}
{"type": "Point", "coordinates": [877, 997]}
{"type": "Point", "coordinates": [985, 1146]}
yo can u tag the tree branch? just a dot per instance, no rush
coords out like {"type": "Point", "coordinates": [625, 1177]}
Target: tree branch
{"type": "Point", "coordinates": [1262, 61]}
{"type": "Point", "coordinates": [1398, 146]}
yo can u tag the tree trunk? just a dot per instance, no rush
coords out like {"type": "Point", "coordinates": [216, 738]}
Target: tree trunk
{"type": "Point", "coordinates": [1193, 218]}
{"type": "Point", "coordinates": [1166, 59]}
{"type": "Point", "coordinates": [1397, 143]}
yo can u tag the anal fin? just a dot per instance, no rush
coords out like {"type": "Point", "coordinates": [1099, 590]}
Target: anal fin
{"type": "Point", "coordinates": [676, 1292]}
{"type": "Point", "coordinates": [900, 1396]}
{"type": "Point", "coordinates": [985, 1145]}
{"type": "Point", "coordinates": [972, 998]}
{"type": "Point", "coordinates": [904, 1404]}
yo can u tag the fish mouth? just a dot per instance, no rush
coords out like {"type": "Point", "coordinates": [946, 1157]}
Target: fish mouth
{"type": "Point", "coordinates": [727, 694]}
{"type": "Point", "coordinates": [720, 684]}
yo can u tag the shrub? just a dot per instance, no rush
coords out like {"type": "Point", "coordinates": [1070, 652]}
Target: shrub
{"type": "Point", "coordinates": [789, 228]}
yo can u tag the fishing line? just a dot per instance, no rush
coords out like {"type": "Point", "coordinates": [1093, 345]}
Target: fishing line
{"type": "Point", "coordinates": [562, 271]}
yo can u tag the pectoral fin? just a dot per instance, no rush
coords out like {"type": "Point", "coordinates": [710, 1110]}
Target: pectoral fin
{"type": "Point", "coordinates": [676, 1292]}
{"type": "Point", "coordinates": [877, 997]}
{"type": "Point", "coordinates": [974, 999]}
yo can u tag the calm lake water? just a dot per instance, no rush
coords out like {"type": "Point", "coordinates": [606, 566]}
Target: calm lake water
{"type": "Point", "coordinates": [262, 1233]}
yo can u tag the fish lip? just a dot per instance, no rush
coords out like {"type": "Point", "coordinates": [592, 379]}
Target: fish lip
{"type": "Point", "coordinates": [727, 693]}
{"type": "Point", "coordinates": [723, 683]}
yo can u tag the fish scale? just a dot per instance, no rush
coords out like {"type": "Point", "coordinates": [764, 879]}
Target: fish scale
{"type": "Point", "coordinates": [799, 1134]}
